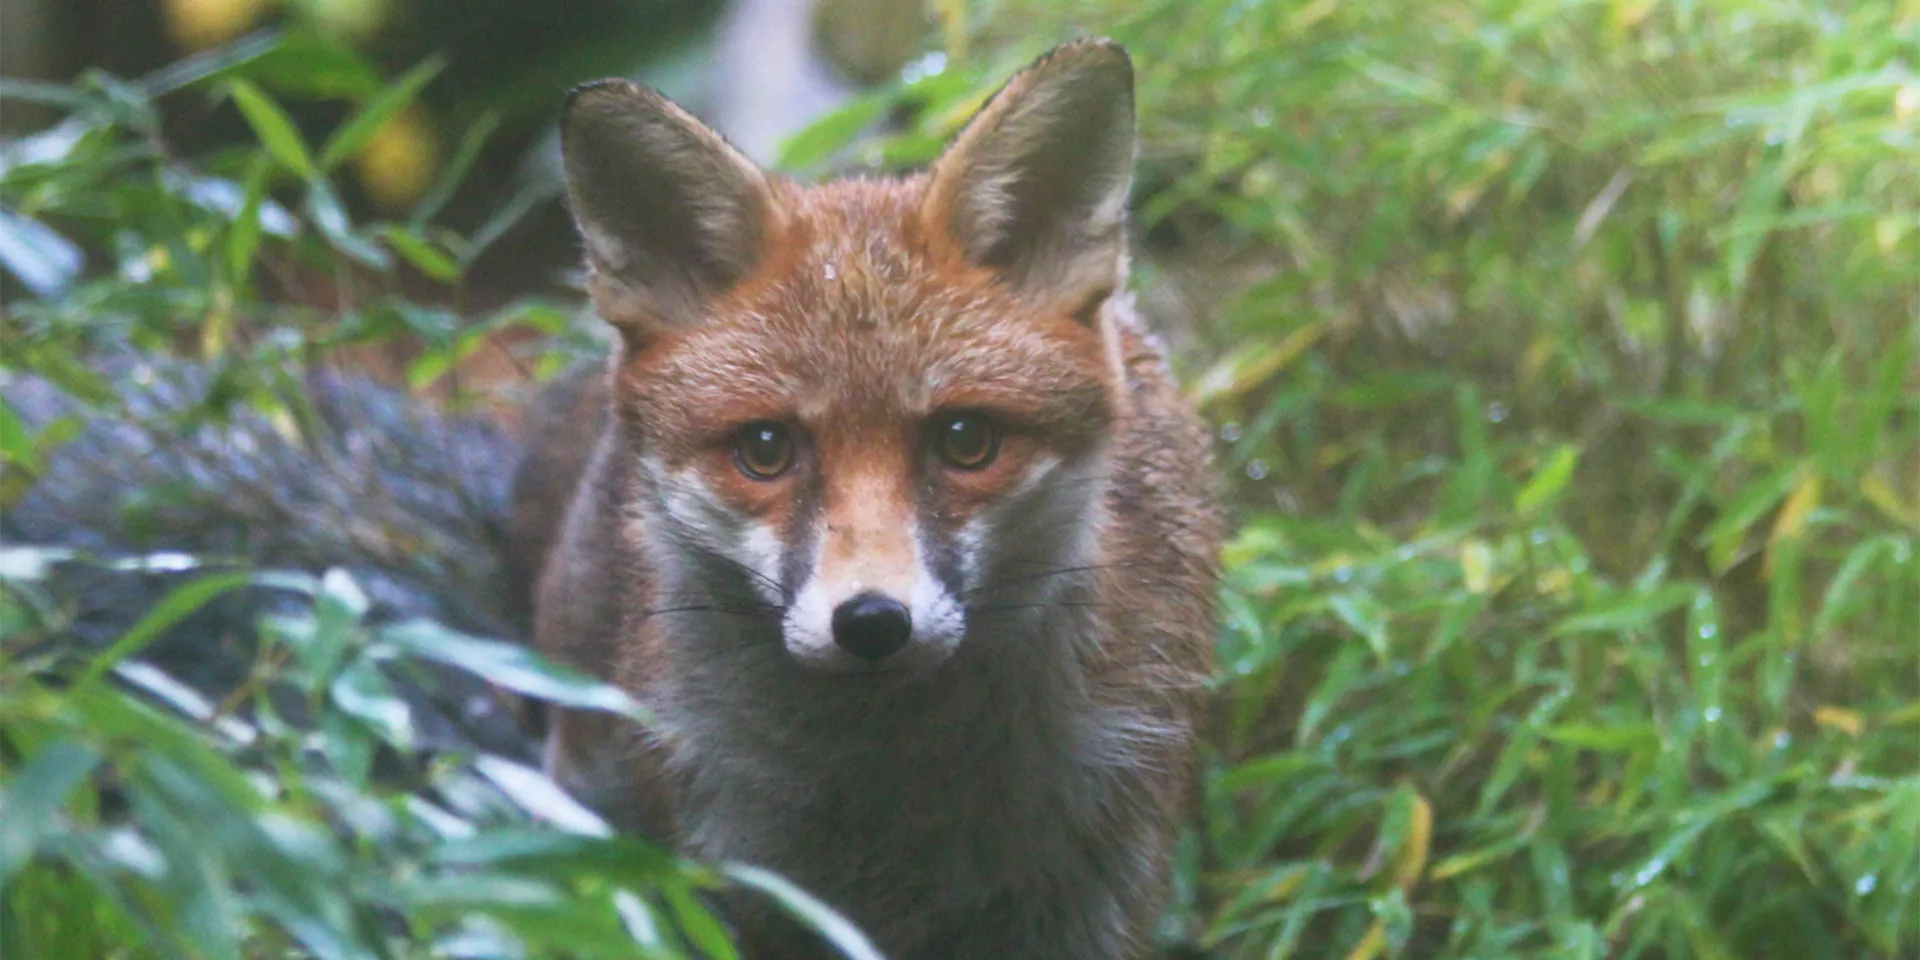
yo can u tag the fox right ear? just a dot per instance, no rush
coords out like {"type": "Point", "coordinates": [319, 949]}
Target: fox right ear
{"type": "Point", "coordinates": [1035, 187]}
{"type": "Point", "coordinates": [672, 215]}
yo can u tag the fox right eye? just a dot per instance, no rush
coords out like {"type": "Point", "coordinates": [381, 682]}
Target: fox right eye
{"type": "Point", "coordinates": [763, 450]}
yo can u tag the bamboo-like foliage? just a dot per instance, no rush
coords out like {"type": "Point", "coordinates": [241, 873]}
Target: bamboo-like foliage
{"type": "Point", "coordinates": [1563, 354]}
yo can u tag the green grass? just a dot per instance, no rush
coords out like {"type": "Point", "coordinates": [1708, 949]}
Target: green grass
{"type": "Point", "coordinates": [1565, 360]}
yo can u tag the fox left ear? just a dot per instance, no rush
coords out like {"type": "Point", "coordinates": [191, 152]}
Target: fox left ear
{"type": "Point", "coordinates": [672, 214]}
{"type": "Point", "coordinates": [1036, 186]}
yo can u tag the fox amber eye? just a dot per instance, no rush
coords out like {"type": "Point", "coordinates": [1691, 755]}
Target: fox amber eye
{"type": "Point", "coordinates": [968, 441]}
{"type": "Point", "coordinates": [763, 450]}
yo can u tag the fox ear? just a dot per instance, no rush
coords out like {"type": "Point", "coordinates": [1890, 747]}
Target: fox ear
{"type": "Point", "coordinates": [672, 215]}
{"type": "Point", "coordinates": [1036, 186]}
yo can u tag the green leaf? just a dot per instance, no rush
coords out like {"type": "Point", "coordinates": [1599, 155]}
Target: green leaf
{"type": "Point", "coordinates": [312, 65]}
{"type": "Point", "coordinates": [533, 792]}
{"type": "Point", "coordinates": [67, 372]}
{"type": "Point", "coordinates": [806, 908]}
{"type": "Point", "coordinates": [43, 260]}
{"type": "Point", "coordinates": [510, 665]}
{"type": "Point", "coordinates": [273, 127]}
{"type": "Point", "coordinates": [455, 172]}
{"type": "Point", "coordinates": [1630, 610]}
{"type": "Point", "coordinates": [1549, 481]}
{"type": "Point", "coordinates": [422, 253]}
{"type": "Point", "coordinates": [1729, 533]}
{"type": "Point", "coordinates": [330, 218]}
{"type": "Point", "coordinates": [1842, 599]}
{"type": "Point", "coordinates": [1366, 617]}
{"type": "Point", "coordinates": [826, 136]}
{"type": "Point", "coordinates": [1342, 675]}
{"type": "Point", "coordinates": [220, 61]}
{"type": "Point", "coordinates": [16, 444]}
{"type": "Point", "coordinates": [1618, 738]}
{"type": "Point", "coordinates": [354, 134]}
{"type": "Point", "coordinates": [362, 692]}
{"type": "Point", "coordinates": [57, 95]}
{"type": "Point", "coordinates": [33, 797]}
{"type": "Point", "coordinates": [177, 606]}
{"type": "Point", "coordinates": [698, 923]}
{"type": "Point", "coordinates": [243, 234]}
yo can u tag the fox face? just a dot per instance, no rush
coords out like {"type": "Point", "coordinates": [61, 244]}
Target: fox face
{"type": "Point", "coordinates": [872, 411]}
{"type": "Point", "coordinates": [866, 436]}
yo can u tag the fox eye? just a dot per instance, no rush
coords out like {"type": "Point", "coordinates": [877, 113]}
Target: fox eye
{"type": "Point", "coordinates": [763, 450]}
{"type": "Point", "coordinates": [967, 441]}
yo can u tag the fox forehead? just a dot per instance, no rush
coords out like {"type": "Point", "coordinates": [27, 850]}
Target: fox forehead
{"type": "Point", "coordinates": [856, 312]}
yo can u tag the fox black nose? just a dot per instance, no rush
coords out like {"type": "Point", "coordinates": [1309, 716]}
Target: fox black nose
{"type": "Point", "coordinates": [871, 626]}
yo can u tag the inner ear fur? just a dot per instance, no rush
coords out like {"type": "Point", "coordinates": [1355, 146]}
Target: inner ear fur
{"type": "Point", "coordinates": [1035, 188]}
{"type": "Point", "coordinates": [671, 214]}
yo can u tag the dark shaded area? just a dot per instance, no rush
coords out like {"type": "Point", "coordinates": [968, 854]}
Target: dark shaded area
{"type": "Point", "coordinates": [408, 501]}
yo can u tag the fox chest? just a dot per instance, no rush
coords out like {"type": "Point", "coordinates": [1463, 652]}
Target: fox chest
{"type": "Point", "coordinates": [939, 861]}
{"type": "Point", "coordinates": [1007, 850]}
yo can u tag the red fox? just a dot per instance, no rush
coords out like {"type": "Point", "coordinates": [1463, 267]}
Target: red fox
{"type": "Point", "coordinates": [890, 511]}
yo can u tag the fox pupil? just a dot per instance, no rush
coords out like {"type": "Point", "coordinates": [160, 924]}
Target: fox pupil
{"type": "Point", "coordinates": [763, 450]}
{"type": "Point", "coordinates": [968, 441]}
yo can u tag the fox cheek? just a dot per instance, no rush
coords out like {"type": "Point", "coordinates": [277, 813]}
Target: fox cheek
{"type": "Point", "coordinates": [696, 519]}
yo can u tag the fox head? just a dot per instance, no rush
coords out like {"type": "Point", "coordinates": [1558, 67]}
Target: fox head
{"type": "Point", "coordinates": [868, 413]}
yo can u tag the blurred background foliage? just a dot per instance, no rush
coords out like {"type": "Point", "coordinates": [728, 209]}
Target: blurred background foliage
{"type": "Point", "coordinates": [1563, 354]}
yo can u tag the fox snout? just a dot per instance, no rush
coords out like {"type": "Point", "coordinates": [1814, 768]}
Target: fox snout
{"type": "Point", "coordinates": [872, 626]}
{"type": "Point", "coordinates": [870, 603]}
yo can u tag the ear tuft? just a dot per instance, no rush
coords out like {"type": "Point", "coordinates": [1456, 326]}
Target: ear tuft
{"type": "Point", "coordinates": [672, 215]}
{"type": "Point", "coordinates": [1036, 185]}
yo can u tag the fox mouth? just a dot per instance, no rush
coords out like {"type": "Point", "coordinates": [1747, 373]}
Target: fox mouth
{"type": "Point", "coordinates": [918, 656]}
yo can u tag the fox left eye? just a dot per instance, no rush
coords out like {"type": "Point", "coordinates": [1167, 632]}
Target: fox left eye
{"type": "Point", "coordinates": [967, 441]}
{"type": "Point", "coordinates": [763, 450]}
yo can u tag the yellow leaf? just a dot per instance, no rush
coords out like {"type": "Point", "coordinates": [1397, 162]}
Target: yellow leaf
{"type": "Point", "coordinates": [1287, 886]}
{"type": "Point", "coordinates": [953, 29]}
{"type": "Point", "coordinates": [1372, 944]}
{"type": "Point", "coordinates": [1245, 370]}
{"type": "Point", "coordinates": [1413, 853]}
{"type": "Point", "coordinates": [1557, 582]}
{"type": "Point", "coordinates": [1901, 716]}
{"type": "Point", "coordinates": [1849, 722]}
{"type": "Point", "coordinates": [1793, 517]}
{"type": "Point", "coordinates": [217, 328]}
{"type": "Point", "coordinates": [1628, 14]}
{"type": "Point", "coordinates": [1880, 493]}
{"type": "Point", "coordinates": [1476, 565]}
{"type": "Point", "coordinates": [1533, 363]}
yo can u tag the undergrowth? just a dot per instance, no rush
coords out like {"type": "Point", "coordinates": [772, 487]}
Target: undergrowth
{"type": "Point", "coordinates": [1563, 355]}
